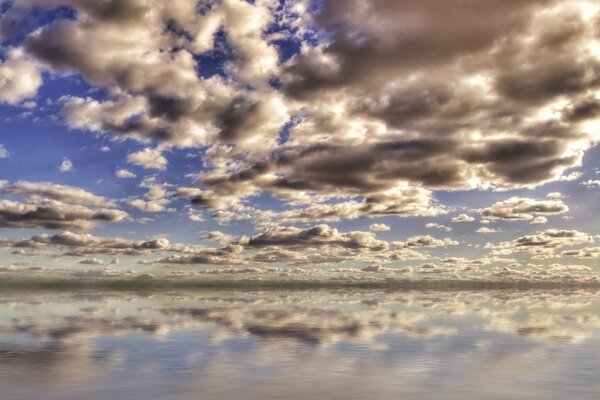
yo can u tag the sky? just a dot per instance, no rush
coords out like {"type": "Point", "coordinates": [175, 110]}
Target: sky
{"type": "Point", "coordinates": [432, 138]}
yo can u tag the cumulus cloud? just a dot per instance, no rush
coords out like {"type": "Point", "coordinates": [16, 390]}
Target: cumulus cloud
{"type": "Point", "coordinates": [156, 198]}
{"type": "Point", "coordinates": [218, 236]}
{"type": "Point", "coordinates": [388, 105]}
{"type": "Point", "coordinates": [318, 235]}
{"type": "Point", "coordinates": [379, 228]}
{"type": "Point", "coordinates": [20, 77]}
{"type": "Point", "coordinates": [316, 245]}
{"type": "Point", "coordinates": [64, 193]}
{"type": "Point", "coordinates": [542, 244]}
{"type": "Point", "coordinates": [503, 102]}
{"type": "Point", "coordinates": [586, 252]}
{"type": "Point", "coordinates": [485, 229]}
{"type": "Point", "coordinates": [524, 209]}
{"type": "Point", "coordinates": [148, 158]}
{"type": "Point", "coordinates": [123, 173]}
{"type": "Point", "coordinates": [85, 244]}
{"type": "Point", "coordinates": [463, 218]}
{"type": "Point", "coordinates": [555, 195]}
{"type": "Point", "coordinates": [435, 225]}
{"type": "Point", "coordinates": [54, 206]}
{"type": "Point", "coordinates": [52, 214]}
{"type": "Point", "coordinates": [147, 58]}
{"type": "Point", "coordinates": [427, 241]}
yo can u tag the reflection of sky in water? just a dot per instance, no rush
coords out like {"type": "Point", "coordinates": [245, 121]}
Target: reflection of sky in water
{"type": "Point", "coordinates": [296, 344]}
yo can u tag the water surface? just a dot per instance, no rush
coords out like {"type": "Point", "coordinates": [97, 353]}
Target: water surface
{"type": "Point", "coordinates": [295, 344]}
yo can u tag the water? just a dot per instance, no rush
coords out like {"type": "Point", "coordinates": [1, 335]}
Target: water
{"type": "Point", "coordinates": [299, 344]}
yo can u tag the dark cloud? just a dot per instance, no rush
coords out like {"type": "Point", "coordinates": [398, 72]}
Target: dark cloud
{"type": "Point", "coordinates": [585, 109]}
{"type": "Point", "coordinates": [50, 214]}
{"type": "Point", "coordinates": [376, 40]}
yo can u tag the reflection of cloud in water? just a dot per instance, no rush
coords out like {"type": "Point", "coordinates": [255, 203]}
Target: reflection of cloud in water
{"type": "Point", "coordinates": [349, 342]}
{"type": "Point", "coordinates": [313, 316]}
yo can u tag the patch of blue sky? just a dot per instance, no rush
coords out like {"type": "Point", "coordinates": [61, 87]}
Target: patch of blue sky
{"type": "Point", "coordinates": [23, 23]}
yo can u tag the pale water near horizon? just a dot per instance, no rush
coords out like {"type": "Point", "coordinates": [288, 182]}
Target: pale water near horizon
{"type": "Point", "coordinates": [299, 344]}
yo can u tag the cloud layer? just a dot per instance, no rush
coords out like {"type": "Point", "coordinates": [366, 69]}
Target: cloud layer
{"type": "Point", "coordinates": [336, 131]}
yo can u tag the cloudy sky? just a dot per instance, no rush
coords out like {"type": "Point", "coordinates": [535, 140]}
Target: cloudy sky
{"type": "Point", "coordinates": [453, 136]}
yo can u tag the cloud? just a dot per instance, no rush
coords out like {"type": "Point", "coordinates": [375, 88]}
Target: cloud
{"type": "Point", "coordinates": [52, 214]}
{"type": "Point", "coordinates": [379, 228]}
{"type": "Point", "coordinates": [378, 109]}
{"type": "Point", "coordinates": [591, 183]}
{"type": "Point", "coordinates": [361, 87]}
{"type": "Point", "coordinates": [160, 95]}
{"type": "Point", "coordinates": [407, 202]}
{"type": "Point", "coordinates": [434, 225]}
{"type": "Point", "coordinates": [3, 152]}
{"type": "Point", "coordinates": [123, 173]}
{"type": "Point", "coordinates": [316, 245]}
{"type": "Point", "coordinates": [427, 241]}
{"type": "Point", "coordinates": [524, 209]}
{"type": "Point", "coordinates": [148, 158]}
{"type": "Point", "coordinates": [85, 244]}
{"type": "Point", "coordinates": [318, 235]}
{"type": "Point", "coordinates": [463, 218]}
{"type": "Point", "coordinates": [92, 261]}
{"type": "Point", "coordinates": [555, 195]}
{"type": "Point", "coordinates": [210, 257]}
{"type": "Point", "coordinates": [219, 237]}
{"type": "Point", "coordinates": [485, 229]}
{"type": "Point", "coordinates": [586, 252]}
{"type": "Point", "coordinates": [20, 77]}
{"type": "Point", "coordinates": [542, 244]}
{"type": "Point", "coordinates": [66, 166]}
{"type": "Point", "coordinates": [156, 198]}
{"type": "Point", "coordinates": [63, 193]}
{"type": "Point", "coordinates": [53, 206]}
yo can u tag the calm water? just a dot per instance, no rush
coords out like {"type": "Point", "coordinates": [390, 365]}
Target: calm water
{"type": "Point", "coordinates": [346, 344]}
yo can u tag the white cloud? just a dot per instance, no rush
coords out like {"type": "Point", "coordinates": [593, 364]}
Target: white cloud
{"type": "Point", "coordinates": [92, 261]}
{"type": "Point", "coordinates": [20, 78]}
{"type": "Point", "coordinates": [156, 198]}
{"type": "Point", "coordinates": [555, 195]}
{"type": "Point", "coordinates": [573, 176]}
{"type": "Point", "coordinates": [463, 218]}
{"type": "Point", "coordinates": [48, 190]}
{"type": "Point", "coordinates": [65, 166]}
{"type": "Point", "coordinates": [148, 158]}
{"type": "Point", "coordinates": [542, 244]}
{"type": "Point", "coordinates": [123, 173]}
{"type": "Point", "coordinates": [3, 152]}
{"type": "Point", "coordinates": [591, 184]}
{"type": "Point", "coordinates": [379, 228]}
{"type": "Point", "coordinates": [524, 209]}
{"type": "Point", "coordinates": [434, 225]}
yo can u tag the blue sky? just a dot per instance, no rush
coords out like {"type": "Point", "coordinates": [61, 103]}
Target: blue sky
{"type": "Point", "coordinates": [329, 134]}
